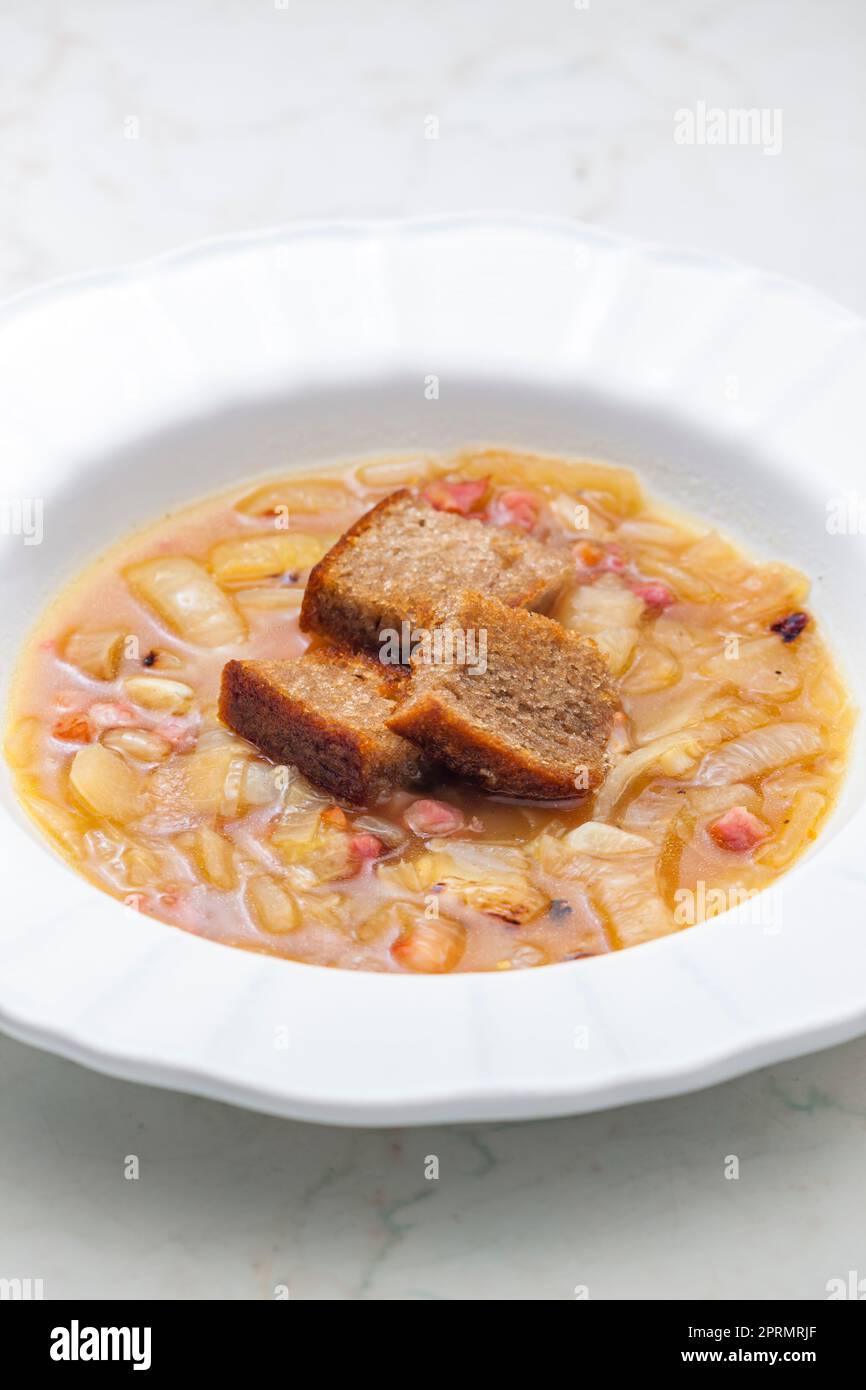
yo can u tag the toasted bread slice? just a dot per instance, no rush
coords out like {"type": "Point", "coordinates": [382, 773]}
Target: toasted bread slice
{"type": "Point", "coordinates": [325, 713]}
{"type": "Point", "coordinates": [512, 700]}
{"type": "Point", "coordinates": [403, 559]}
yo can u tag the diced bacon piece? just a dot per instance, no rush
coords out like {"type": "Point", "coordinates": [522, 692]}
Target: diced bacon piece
{"type": "Point", "coordinates": [428, 817]}
{"type": "Point", "coordinates": [738, 830]}
{"type": "Point", "coordinates": [605, 559]}
{"type": "Point", "coordinates": [456, 497]}
{"type": "Point", "coordinates": [655, 595]}
{"type": "Point", "coordinates": [515, 507]}
{"type": "Point", "coordinates": [73, 727]}
{"type": "Point", "coordinates": [366, 846]}
{"type": "Point", "coordinates": [588, 554]}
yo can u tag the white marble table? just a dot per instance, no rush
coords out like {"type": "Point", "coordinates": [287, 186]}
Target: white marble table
{"type": "Point", "coordinates": [127, 128]}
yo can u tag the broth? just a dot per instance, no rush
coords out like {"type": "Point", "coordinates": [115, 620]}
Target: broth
{"type": "Point", "coordinates": [725, 759]}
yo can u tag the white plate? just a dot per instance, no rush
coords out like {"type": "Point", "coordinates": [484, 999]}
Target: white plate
{"type": "Point", "coordinates": [735, 393]}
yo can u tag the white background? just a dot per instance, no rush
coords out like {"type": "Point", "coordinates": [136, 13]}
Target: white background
{"type": "Point", "coordinates": [248, 113]}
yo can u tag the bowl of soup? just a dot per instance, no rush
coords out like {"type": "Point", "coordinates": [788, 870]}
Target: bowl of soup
{"type": "Point", "coordinates": [187, 441]}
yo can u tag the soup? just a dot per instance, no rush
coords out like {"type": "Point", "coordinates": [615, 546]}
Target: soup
{"type": "Point", "coordinates": [726, 753]}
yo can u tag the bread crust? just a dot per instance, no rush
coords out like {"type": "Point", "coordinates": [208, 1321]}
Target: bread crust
{"type": "Point", "coordinates": [452, 731]}
{"type": "Point", "coordinates": [348, 753]}
{"type": "Point", "coordinates": [314, 615]}
{"type": "Point", "coordinates": [477, 755]}
{"type": "Point", "coordinates": [338, 609]}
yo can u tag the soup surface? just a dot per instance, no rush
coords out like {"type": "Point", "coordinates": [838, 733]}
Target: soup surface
{"type": "Point", "coordinates": [724, 760]}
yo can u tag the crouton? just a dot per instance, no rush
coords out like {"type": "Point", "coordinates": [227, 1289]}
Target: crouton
{"type": "Point", "coordinates": [325, 714]}
{"type": "Point", "coordinates": [511, 700]}
{"type": "Point", "coordinates": [404, 558]}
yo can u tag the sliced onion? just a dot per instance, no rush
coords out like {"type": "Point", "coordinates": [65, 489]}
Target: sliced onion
{"type": "Point", "coordinates": [636, 763]}
{"type": "Point", "coordinates": [215, 858]}
{"type": "Point", "coordinates": [22, 742]}
{"type": "Point", "coordinates": [595, 838]}
{"type": "Point", "coordinates": [655, 812]}
{"type": "Point", "coordinates": [708, 802]}
{"type": "Point", "coordinates": [622, 888]}
{"type": "Point", "coordinates": [61, 824]}
{"type": "Point", "coordinates": [394, 473]}
{"type": "Point", "coordinates": [105, 783]}
{"type": "Point", "coordinates": [389, 833]}
{"type": "Point", "coordinates": [160, 693]}
{"type": "Point", "coordinates": [762, 666]}
{"type": "Point", "coordinates": [283, 497]}
{"type": "Point", "coordinates": [652, 669]}
{"type": "Point", "coordinates": [605, 604]}
{"type": "Point", "coordinates": [273, 907]}
{"type": "Point", "coordinates": [626, 896]}
{"type": "Point", "coordinates": [430, 947]}
{"type": "Point", "coordinates": [756, 752]}
{"type": "Point", "coordinates": [246, 559]}
{"type": "Point", "coordinates": [187, 600]}
{"type": "Point", "coordinates": [140, 744]}
{"type": "Point", "coordinates": [803, 815]}
{"type": "Point", "coordinates": [97, 654]}
{"type": "Point", "coordinates": [607, 612]}
{"type": "Point", "coordinates": [276, 598]}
